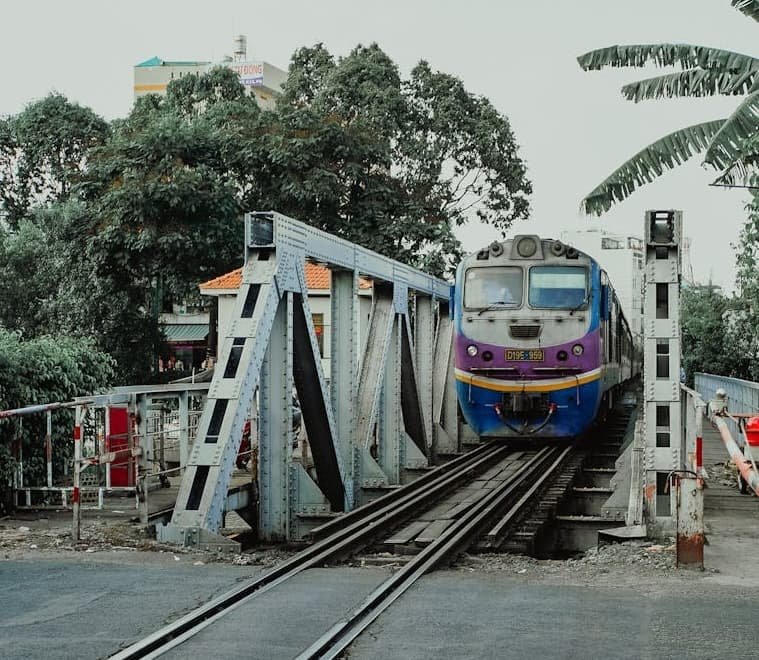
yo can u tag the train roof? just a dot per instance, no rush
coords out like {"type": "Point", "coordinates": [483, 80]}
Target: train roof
{"type": "Point", "coordinates": [528, 247]}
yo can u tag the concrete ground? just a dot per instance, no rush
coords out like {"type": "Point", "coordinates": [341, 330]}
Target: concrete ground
{"type": "Point", "coordinates": [624, 601]}
{"type": "Point", "coordinates": [732, 519]}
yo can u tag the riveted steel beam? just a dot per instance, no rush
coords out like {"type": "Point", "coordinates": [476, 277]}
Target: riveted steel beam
{"type": "Point", "coordinates": [424, 347]}
{"type": "Point", "coordinates": [271, 345]}
{"type": "Point", "coordinates": [413, 409]}
{"type": "Point", "coordinates": [344, 352]}
{"type": "Point", "coordinates": [271, 228]}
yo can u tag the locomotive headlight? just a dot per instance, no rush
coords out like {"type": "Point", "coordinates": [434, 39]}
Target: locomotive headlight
{"type": "Point", "coordinates": [527, 247]}
{"type": "Point", "coordinates": [471, 350]}
{"type": "Point", "coordinates": [577, 349]}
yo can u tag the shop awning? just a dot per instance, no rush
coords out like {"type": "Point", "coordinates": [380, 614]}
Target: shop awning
{"type": "Point", "coordinates": [184, 332]}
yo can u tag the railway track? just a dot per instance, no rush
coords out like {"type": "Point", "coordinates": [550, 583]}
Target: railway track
{"type": "Point", "coordinates": [359, 529]}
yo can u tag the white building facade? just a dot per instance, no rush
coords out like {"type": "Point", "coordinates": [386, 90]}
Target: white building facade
{"type": "Point", "coordinates": [622, 257]}
{"type": "Point", "coordinates": [262, 80]}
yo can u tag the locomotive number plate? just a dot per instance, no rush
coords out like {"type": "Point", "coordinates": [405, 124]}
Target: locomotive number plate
{"type": "Point", "coordinates": [526, 355]}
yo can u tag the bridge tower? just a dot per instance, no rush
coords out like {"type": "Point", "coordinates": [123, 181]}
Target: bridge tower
{"type": "Point", "coordinates": [661, 361]}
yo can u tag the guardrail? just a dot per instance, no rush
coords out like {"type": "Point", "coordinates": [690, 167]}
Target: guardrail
{"type": "Point", "coordinates": [742, 395]}
{"type": "Point", "coordinates": [738, 399]}
{"type": "Point", "coordinates": [693, 410]}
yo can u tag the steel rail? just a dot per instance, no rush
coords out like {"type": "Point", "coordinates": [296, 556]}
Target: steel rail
{"type": "Point", "coordinates": [454, 539]}
{"type": "Point", "coordinates": [423, 481]}
{"type": "Point", "coordinates": [342, 542]}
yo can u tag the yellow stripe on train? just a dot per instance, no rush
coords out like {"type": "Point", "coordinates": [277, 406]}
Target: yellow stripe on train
{"type": "Point", "coordinates": [550, 385]}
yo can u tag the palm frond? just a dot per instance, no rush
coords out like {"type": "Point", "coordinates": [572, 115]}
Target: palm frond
{"type": "Point", "coordinates": [729, 144]}
{"type": "Point", "coordinates": [685, 55]}
{"type": "Point", "coordinates": [692, 82]}
{"type": "Point", "coordinates": [739, 174]}
{"type": "Point", "coordinates": [748, 7]}
{"type": "Point", "coordinates": [742, 170]}
{"type": "Point", "coordinates": [648, 164]}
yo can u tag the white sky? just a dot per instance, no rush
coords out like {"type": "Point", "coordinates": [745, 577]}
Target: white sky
{"type": "Point", "coordinates": [573, 127]}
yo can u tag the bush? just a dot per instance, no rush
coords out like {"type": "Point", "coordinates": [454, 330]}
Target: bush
{"type": "Point", "coordinates": [43, 370]}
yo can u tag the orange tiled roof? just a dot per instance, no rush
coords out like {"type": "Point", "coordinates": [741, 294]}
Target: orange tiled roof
{"type": "Point", "coordinates": [317, 278]}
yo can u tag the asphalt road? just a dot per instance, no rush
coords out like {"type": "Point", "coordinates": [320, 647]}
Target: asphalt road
{"type": "Point", "coordinates": [88, 609]}
{"type": "Point", "coordinates": [452, 615]}
{"type": "Point", "coordinates": [85, 608]}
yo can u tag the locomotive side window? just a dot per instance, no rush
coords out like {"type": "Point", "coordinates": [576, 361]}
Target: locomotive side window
{"type": "Point", "coordinates": [558, 287]}
{"type": "Point", "coordinates": [493, 286]}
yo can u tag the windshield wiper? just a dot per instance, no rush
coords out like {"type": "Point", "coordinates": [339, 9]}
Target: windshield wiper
{"type": "Point", "coordinates": [574, 309]}
{"type": "Point", "coordinates": [493, 306]}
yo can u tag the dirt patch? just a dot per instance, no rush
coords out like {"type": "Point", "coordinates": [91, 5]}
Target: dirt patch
{"type": "Point", "coordinates": [104, 536]}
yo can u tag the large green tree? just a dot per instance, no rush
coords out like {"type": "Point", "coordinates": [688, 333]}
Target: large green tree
{"type": "Point", "coordinates": [389, 163]}
{"type": "Point", "coordinates": [744, 319]}
{"type": "Point", "coordinates": [729, 144]}
{"type": "Point", "coordinates": [151, 204]}
{"type": "Point", "coordinates": [43, 153]}
{"type": "Point", "coordinates": [711, 327]}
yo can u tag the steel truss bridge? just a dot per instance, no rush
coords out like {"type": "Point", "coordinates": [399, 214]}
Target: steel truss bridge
{"type": "Point", "coordinates": [386, 410]}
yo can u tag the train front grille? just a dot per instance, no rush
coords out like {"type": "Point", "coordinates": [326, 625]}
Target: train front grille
{"type": "Point", "coordinates": [524, 331]}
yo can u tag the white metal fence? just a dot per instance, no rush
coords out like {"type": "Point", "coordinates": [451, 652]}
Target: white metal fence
{"type": "Point", "coordinates": [742, 395]}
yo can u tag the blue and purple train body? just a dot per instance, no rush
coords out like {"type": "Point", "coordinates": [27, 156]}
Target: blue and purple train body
{"type": "Point", "coordinates": [540, 339]}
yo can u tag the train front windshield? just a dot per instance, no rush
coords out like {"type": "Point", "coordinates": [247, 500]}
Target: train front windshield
{"type": "Point", "coordinates": [493, 287]}
{"type": "Point", "coordinates": [558, 287]}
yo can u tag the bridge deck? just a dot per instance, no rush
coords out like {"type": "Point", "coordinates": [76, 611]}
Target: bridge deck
{"type": "Point", "coordinates": [732, 519]}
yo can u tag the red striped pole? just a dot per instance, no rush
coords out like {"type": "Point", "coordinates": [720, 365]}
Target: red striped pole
{"type": "Point", "coordinates": [75, 498]}
{"type": "Point", "coordinates": [741, 462]}
{"type": "Point", "coordinates": [699, 454]}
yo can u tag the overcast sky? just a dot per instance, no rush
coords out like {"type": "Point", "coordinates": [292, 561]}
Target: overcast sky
{"type": "Point", "coordinates": [573, 127]}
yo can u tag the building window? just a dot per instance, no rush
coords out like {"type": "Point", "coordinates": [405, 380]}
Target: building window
{"type": "Point", "coordinates": [318, 320]}
{"type": "Point", "coordinates": [610, 244]}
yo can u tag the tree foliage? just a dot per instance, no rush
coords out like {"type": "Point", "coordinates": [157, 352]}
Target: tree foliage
{"type": "Point", "coordinates": [392, 164]}
{"type": "Point", "coordinates": [727, 144]}
{"type": "Point", "coordinates": [107, 221]}
{"type": "Point", "coordinates": [708, 333]}
{"type": "Point", "coordinates": [36, 371]}
{"type": "Point", "coordinates": [43, 153]}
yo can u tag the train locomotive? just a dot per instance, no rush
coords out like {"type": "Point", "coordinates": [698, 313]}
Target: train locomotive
{"type": "Point", "coordinates": [540, 340]}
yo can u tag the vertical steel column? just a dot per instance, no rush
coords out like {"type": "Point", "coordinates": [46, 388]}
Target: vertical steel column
{"type": "Point", "coordinates": [275, 427]}
{"type": "Point", "coordinates": [373, 363]}
{"type": "Point", "coordinates": [344, 369]}
{"type": "Point", "coordinates": [390, 447]}
{"type": "Point", "coordinates": [444, 402]}
{"type": "Point", "coordinates": [184, 430]}
{"type": "Point", "coordinates": [424, 345]}
{"type": "Point", "coordinates": [661, 366]}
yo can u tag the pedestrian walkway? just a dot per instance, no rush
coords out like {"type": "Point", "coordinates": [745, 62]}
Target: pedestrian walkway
{"type": "Point", "coordinates": [732, 519]}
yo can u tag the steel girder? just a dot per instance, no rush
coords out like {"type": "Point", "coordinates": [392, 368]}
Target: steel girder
{"type": "Point", "coordinates": [375, 421]}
